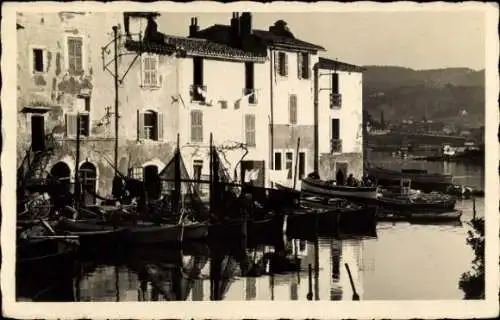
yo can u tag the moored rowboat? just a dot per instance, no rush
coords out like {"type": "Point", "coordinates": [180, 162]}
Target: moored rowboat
{"type": "Point", "coordinates": [323, 188]}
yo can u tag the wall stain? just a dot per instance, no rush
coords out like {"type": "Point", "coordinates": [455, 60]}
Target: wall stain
{"type": "Point", "coordinates": [49, 60]}
{"type": "Point", "coordinates": [39, 80]}
{"type": "Point", "coordinates": [56, 112]}
{"type": "Point", "coordinates": [58, 63]}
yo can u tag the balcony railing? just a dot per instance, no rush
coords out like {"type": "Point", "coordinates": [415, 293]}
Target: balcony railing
{"type": "Point", "coordinates": [198, 92]}
{"type": "Point", "coordinates": [253, 98]}
{"type": "Point", "coordinates": [335, 145]}
{"type": "Point", "coordinates": [335, 100]}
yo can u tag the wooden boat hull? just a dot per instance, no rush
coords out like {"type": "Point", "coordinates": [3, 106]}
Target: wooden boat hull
{"type": "Point", "coordinates": [153, 234]}
{"type": "Point", "coordinates": [423, 218]}
{"type": "Point", "coordinates": [321, 188]}
{"type": "Point", "coordinates": [43, 263]}
{"type": "Point", "coordinates": [442, 206]}
{"type": "Point", "coordinates": [422, 181]}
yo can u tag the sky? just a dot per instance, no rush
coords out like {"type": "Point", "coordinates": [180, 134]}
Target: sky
{"type": "Point", "coordinates": [417, 40]}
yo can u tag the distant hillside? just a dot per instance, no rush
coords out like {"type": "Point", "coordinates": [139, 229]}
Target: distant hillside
{"type": "Point", "coordinates": [441, 94]}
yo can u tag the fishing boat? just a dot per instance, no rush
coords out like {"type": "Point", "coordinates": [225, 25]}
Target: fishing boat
{"type": "Point", "coordinates": [452, 216]}
{"type": "Point", "coordinates": [405, 199]}
{"type": "Point", "coordinates": [421, 179]}
{"type": "Point", "coordinates": [151, 233]}
{"type": "Point", "coordinates": [312, 185]}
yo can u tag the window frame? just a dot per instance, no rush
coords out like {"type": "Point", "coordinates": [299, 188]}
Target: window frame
{"type": "Point", "coordinates": [292, 116]}
{"type": "Point", "coordinates": [251, 132]}
{"type": "Point", "coordinates": [148, 57]}
{"type": "Point", "coordinates": [158, 128]}
{"type": "Point", "coordinates": [282, 64]}
{"type": "Point", "coordinates": [73, 135]}
{"type": "Point", "coordinates": [193, 127]}
{"type": "Point", "coordinates": [32, 59]}
{"type": "Point", "coordinates": [82, 62]}
{"type": "Point", "coordinates": [280, 160]}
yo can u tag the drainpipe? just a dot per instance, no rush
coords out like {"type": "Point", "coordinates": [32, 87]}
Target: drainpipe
{"type": "Point", "coordinates": [271, 124]}
{"type": "Point", "coordinates": [316, 119]}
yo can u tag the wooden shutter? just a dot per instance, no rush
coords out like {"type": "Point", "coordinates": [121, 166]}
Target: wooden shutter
{"type": "Point", "coordinates": [299, 65]}
{"type": "Point", "coordinates": [276, 63]}
{"type": "Point", "coordinates": [293, 109]}
{"type": "Point", "coordinates": [160, 126]}
{"type": "Point", "coordinates": [250, 129]}
{"type": "Point", "coordinates": [140, 125]}
{"type": "Point", "coordinates": [285, 63]}
{"type": "Point", "coordinates": [71, 125]}
{"type": "Point", "coordinates": [305, 65]}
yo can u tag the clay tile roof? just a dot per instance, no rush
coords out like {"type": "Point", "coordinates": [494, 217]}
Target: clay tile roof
{"type": "Point", "coordinates": [329, 64]}
{"type": "Point", "coordinates": [206, 48]}
{"type": "Point", "coordinates": [284, 41]}
{"type": "Point", "coordinates": [149, 47]}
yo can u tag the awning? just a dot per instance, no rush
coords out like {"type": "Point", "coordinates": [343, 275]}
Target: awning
{"type": "Point", "coordinates": [35, 109]}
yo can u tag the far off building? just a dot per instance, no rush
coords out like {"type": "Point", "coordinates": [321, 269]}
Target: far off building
{"type": "Point", "coordinates": [340, 120]}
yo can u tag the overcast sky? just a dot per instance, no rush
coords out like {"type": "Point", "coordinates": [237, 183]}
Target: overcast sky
{"type": "Point", "coordinates": [418, 40]}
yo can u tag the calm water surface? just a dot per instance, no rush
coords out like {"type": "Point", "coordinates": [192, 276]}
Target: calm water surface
{"type": "Point", "coordinates": [405, 261]}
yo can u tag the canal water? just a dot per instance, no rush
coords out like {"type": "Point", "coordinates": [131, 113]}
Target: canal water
{"type": "Point", "coordinates": [403, 262]}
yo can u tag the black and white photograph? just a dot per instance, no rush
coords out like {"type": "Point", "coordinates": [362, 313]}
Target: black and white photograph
{"type": "Point", "coordinates": [250, 160]}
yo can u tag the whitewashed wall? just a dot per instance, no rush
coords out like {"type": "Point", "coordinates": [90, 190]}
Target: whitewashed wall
{"type": "Point", "coordinates": [350, 113]}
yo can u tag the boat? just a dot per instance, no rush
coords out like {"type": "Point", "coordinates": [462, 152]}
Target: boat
{"type": "Point", "coordinates": [312, 185]}
{"type": "Point", "coordinates": [415, 201]}
{"type": "Point", "coordinates": [421, 179]}
{"type": "Point", "coordinates": [423, 217]}
{"type": "Point", "coordinates": [151, 233]}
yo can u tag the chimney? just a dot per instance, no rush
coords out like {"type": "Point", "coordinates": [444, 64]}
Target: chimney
{"type": "Point", "coordinates": [194, 27]}
{"type": "Point", "coordinates": [235, 30]}
{"type": "Point", "coordinates": [245, 24]}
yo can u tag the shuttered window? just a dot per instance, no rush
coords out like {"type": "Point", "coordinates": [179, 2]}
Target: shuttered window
{"type": "Point", "coordinates": [150, 76]}
{"type": "Point", "coordinates": [282, 64]}
{"type": "Point", "coordinates": [150, 125]}
{"type": "Point", "coordinates": [292, 106]}
{"type": "Point", "coordinates": [303, 65]}
{"type": "Point", "coordinates": [196, 126]}
{"type": "Point", "coordinates": [288, 163]}
{"type": "Point", "coordinates": [72, 125]}
{"type": "Point", "coordinates": [75, 52]}
{"type": "Point", "coordinates": [250, 129]}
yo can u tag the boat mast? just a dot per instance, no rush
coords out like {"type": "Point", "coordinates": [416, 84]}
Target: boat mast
{"type": "Point", "coordinates": [177, 177]}
{"type": "Point", "coordinates": [77, 161]}
{"type": "Point", "coordinates": [296, 162]}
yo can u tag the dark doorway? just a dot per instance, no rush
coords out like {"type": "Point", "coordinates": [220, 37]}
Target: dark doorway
{"type": "Point", "coordinates": [88, 180]}
{"type": "Point", "coordinates": [152, 182]}
{"type": "Point", "coordinates": [62, 173]}
{"type": "Point", "coordinates": [342, 168]}
{"type": "Point", "coordinates": [37, 133]}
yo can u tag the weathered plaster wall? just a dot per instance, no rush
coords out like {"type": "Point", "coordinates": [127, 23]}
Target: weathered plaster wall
{"type": "Point", "coordinates": [328, 164]}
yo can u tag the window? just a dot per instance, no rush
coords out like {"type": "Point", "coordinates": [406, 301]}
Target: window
{"type": "Point", "coordinates": [250, 82]}
{"type": "Point", "coordinates": [292, 104]}
{"type": "Point", "coordinates": [38, 60]}
{"type": "Point", "coordinates": [335, 128]}
{"type": "Point", "coordinates": [198, 71]}
{"type": "Point", "coordinates": [223, 104]}
{"type": "Point", "coordinates": [336, 143]}
{"type": "Point", "coordinates": [75, 61]}
{"type": "Point", "coordinates": [150, 125]}
{"type": "Point", "coordinates": [197, 169]}
{"type": "Point", "coordinates": [303, 65]}
{"type": "Point", "coordinates": [335, 83]}
{"type": "Point", "coordinates": [72, 124]}
{"type": "Point", "coordinates": [282, 64]}
{"type": "Point", "coordinates": [150, 75]}
{"type": "Point", "coordinates": [302, 164]}
{"type": "Point", "coordinates": [250, 129]}
{"type": "Point", "coordinates": [196, 126]}
{"type": "Point", "coordinates": [277, 160]}
{"type": "Point", "coordinates": [288, 163]}
{"type": "Point", "coordinates": [136, 173]}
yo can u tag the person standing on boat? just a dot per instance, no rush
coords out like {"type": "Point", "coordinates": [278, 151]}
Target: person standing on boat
{"type": "Point", "coordinates": [350, 180]}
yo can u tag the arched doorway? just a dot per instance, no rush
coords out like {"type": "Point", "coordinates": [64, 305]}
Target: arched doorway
{"type": "Point", "coordinates": [62, 173]}
{"type": "Point", "coordinates": [152, 181]}
{"type": "Point", "coordinates": [88, 180]}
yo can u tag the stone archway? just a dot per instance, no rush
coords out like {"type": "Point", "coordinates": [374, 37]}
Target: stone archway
{"type": "Point", "coordinates": [88, 180]}
{"type": "Point", "coordinates": [62, 173]}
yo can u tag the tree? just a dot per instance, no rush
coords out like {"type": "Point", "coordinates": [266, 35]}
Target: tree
{"type": "Point", "coordinates": [472, 283]}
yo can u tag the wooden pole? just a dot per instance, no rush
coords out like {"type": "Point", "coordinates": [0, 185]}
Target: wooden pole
{"type": "Point", "coordinates": [316, 118]}
{"type": "Point", "coordinates": [115, 35]}
{"type": "Point", "coordinates": [473, 208]}
{"type": "Point", "coordinates": [310, 293]}
{"type": "Point", "coordinates": [77, 161]}
{"type": "Point", "coordinates": [355, 295]}
{"type": "Point", "coordinates": [211, 187]}
{"type": "Point", "coordinates": [296, 163]}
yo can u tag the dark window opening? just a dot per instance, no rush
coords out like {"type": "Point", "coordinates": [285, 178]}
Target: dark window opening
{"type": "Point", "coordinates": [302, 164]}
{"type": "Point", "coordinates": [335, 83]}
{"type": "Point", "coordinates": [288, 164]}
{"type": "Point", "coordinates": [38, 60]}
{"type": "Point", "coordinates": [249, 75]}
{"type": "Point", "coordinates": [84, 125]}
{"type": "Point", "coordinates": [198, 71]}
{"type": "Point", "coordinates": [277, 161]}
{"type": "Point", "coordinates": [150, 125]}
{"type": "Point", "coordinates": [283, 64]}
{"type": "Point", "coordinates": [335, 129]}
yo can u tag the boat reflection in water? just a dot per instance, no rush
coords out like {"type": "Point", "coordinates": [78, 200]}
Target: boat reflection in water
{"type": "Point", "coordinates": [216, 272]}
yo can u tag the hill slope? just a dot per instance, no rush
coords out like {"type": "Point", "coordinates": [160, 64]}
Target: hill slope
{"type": "Point", "coordinates": [441, 94]}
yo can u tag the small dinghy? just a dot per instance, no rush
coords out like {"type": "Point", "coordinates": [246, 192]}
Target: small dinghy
{"type": "Point", "coordinates": [313, 185]}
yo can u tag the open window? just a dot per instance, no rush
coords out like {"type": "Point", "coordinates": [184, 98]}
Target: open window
{"type": "Point", "coordinates": [150, 125]}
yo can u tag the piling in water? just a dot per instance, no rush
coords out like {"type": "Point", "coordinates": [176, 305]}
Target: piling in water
{"type": "Point", "coordinates": [310, 293]}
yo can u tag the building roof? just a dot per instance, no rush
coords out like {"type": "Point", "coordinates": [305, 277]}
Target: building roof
{"type": "Point", "coordinates": [142, 14]}
{"type": "Point", "coordinates": [270, 37]}
{"type": "Point", "coordinates": [222, 34]}
{"type": "Point", "coordinates": [194, 47]}
{"type": "Point", "coordinates": [329, 64]}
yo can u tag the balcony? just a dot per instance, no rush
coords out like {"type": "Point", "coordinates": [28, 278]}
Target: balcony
{"type": "Point", "coordinates": [198, 93]}
{"type": "Point", "coordinates": [335, 100]}
{"type": "Point", "coordinates": [335, 146]}
{"type": "Point", "coordinates": [253, 98]}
